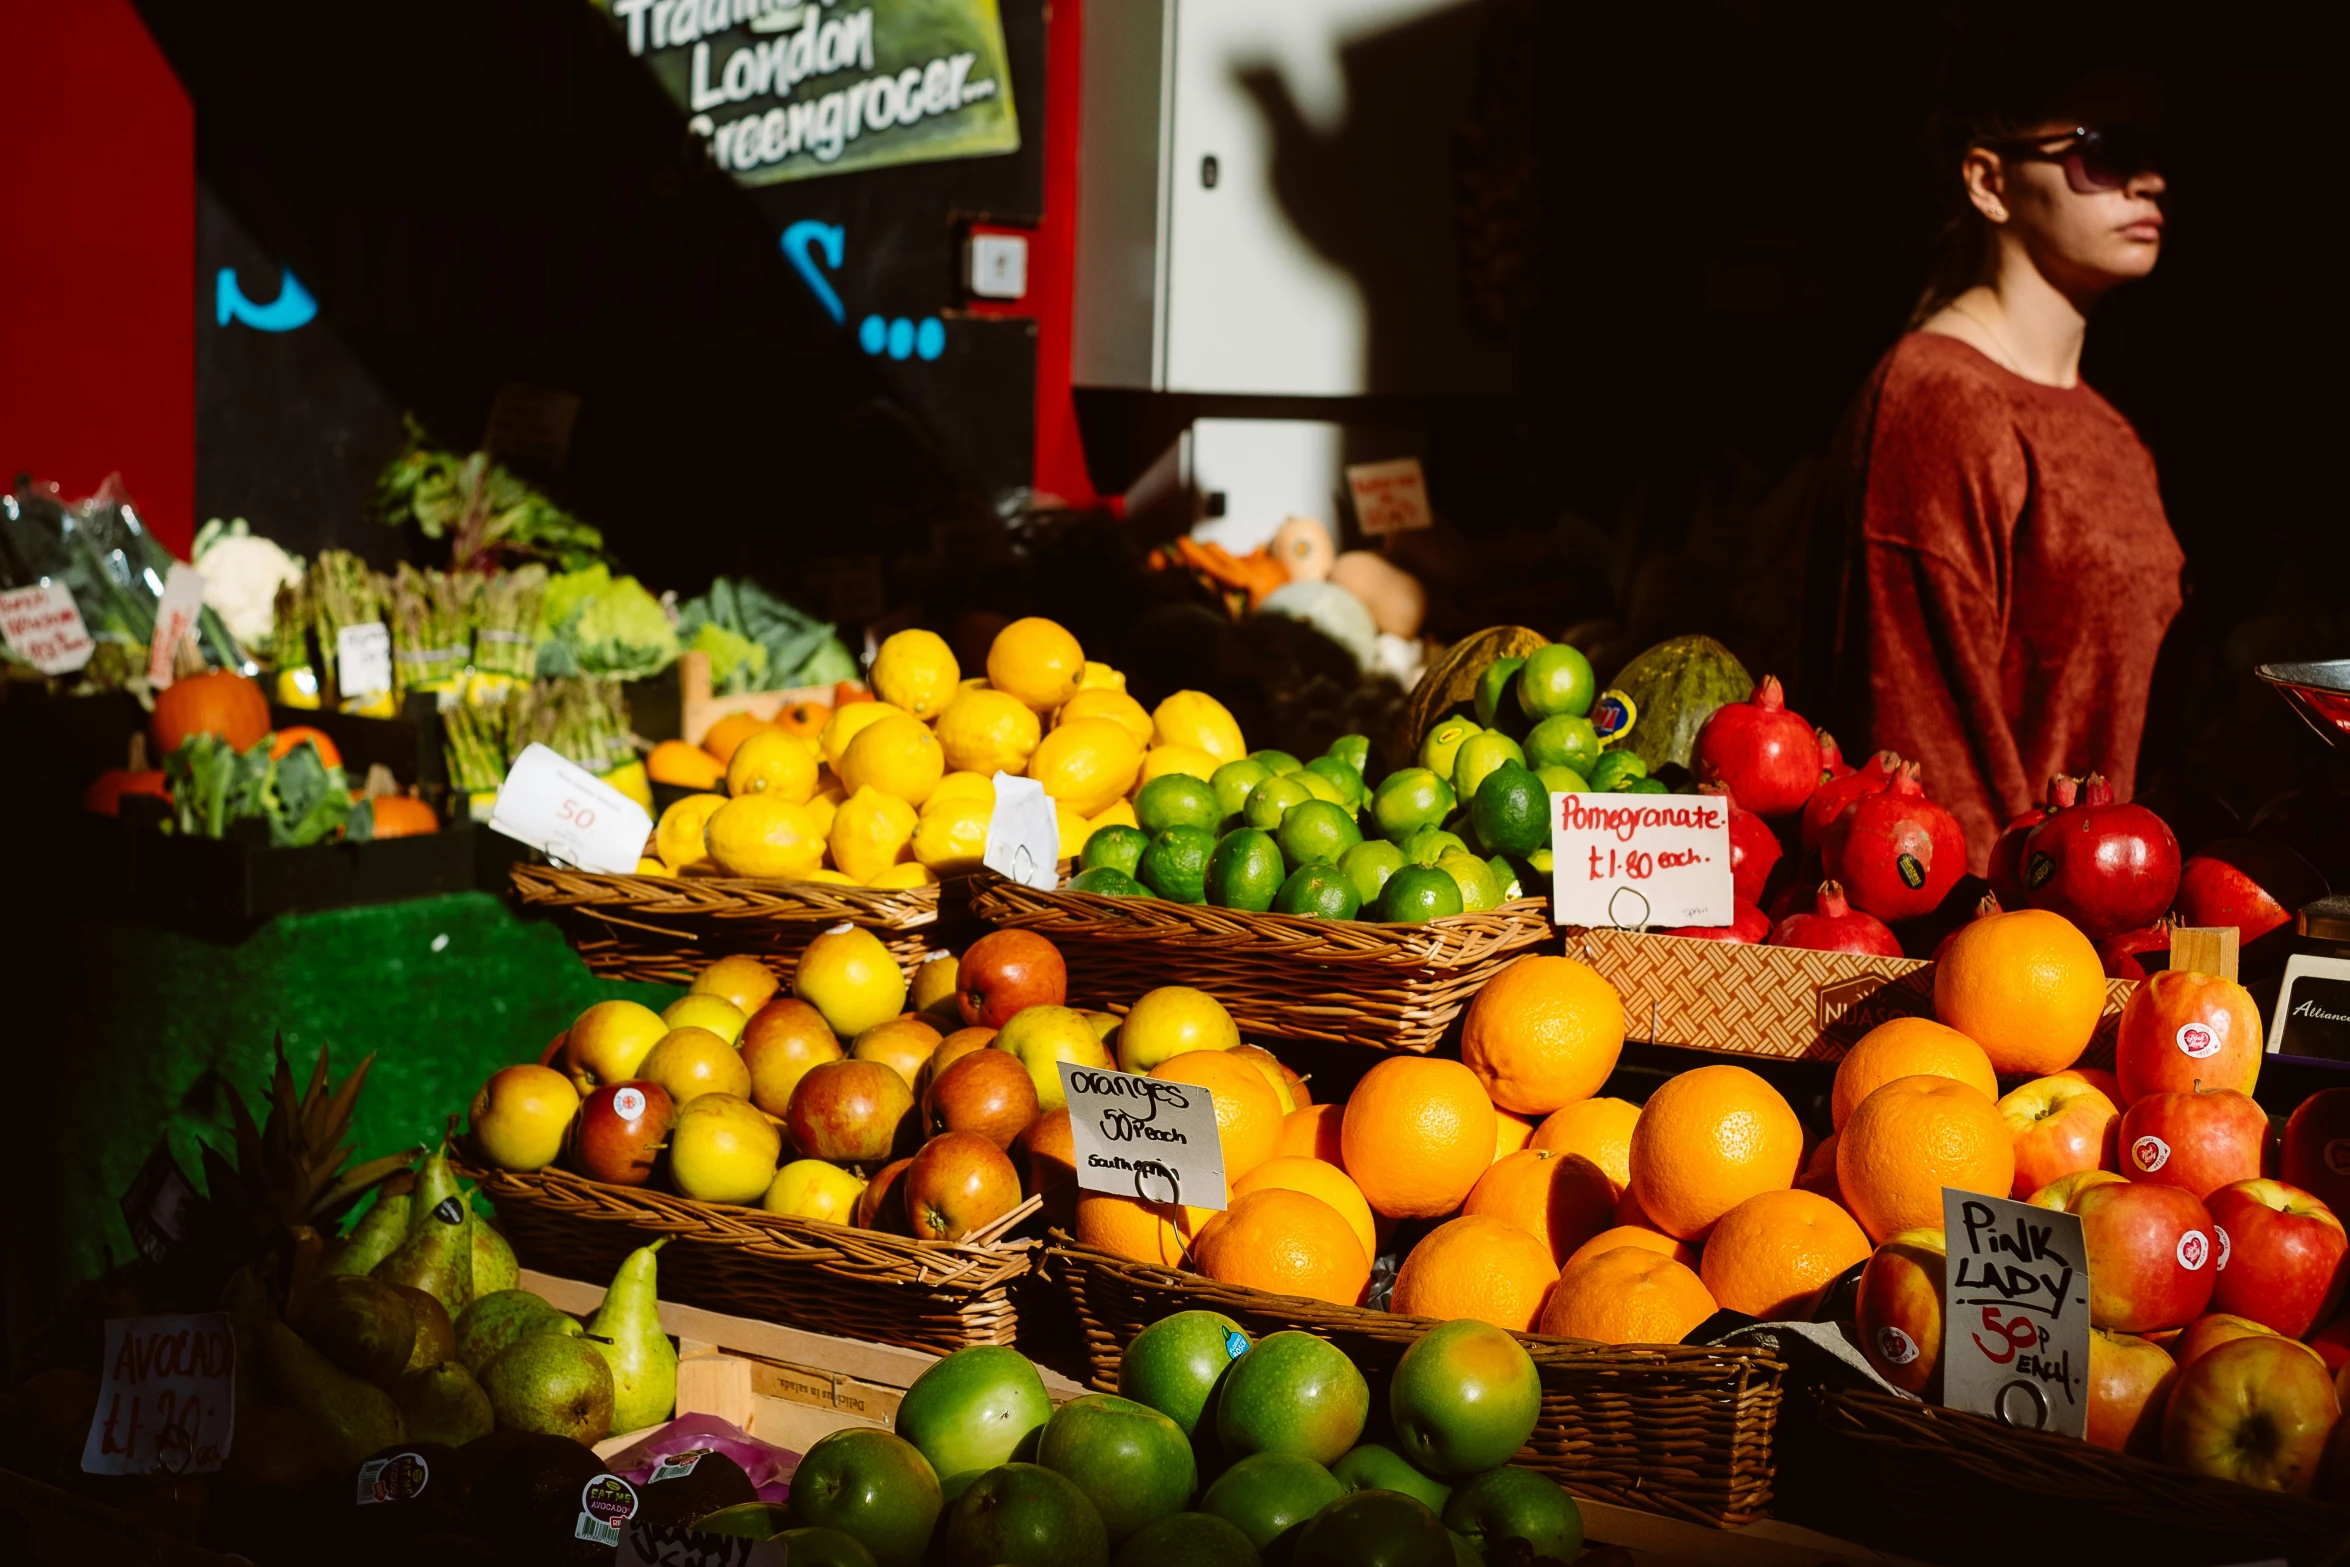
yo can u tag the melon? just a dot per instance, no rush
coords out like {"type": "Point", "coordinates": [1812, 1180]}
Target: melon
{"type": "Point", "coordinates": [1675, 687]}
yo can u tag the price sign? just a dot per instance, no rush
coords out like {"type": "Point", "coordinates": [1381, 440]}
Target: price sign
{"type": "Point", "coordinates": [168, 1404]}
{"type": "Point", "coordinates": [175, 621]}
{"type": "Point", "coordinates": [363, 659]}
{"type": "Point", "coordinates": [1139, 1137]}
{"type": "Point", "coordinates": [1630, 860]}
{"type": "Point", "coordinates": [576, 817]}
{"type": "Point", "coordinates": [644, 1545]}
{"type": "Point", "coordinates": [1389, 497]}
{"type": "Point", "coordinates": [1024, 834]}
{"type": "Point", "coordinates": [2312, 1013]}
{"type": "Point", "coordinates": [2015, 1301]}
{"type": "Point", "coordinates": [45, 629]}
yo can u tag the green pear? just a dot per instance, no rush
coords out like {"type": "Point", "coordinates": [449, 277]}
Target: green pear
{"type": "Point", "coordinates": [362, 1325]}
{"type": "Point", "coordinates": [444, 1404]}
{"type": "Point", "coordinates": [378, 1232]}
{"type": "Point", "coordinates": [552, 1385]}
{"type": "Point", "coordinates": [246, 1300]}
{"type": "Point", "coordinates": [627, 1328]}
{"type": "Point", "coordinates": [436, 1335]}
{"type": "Point", "coordinates": [437, 1255]}
{"type": "Point", "coordinates": [494, 1268]}
{"type": "Point", "coordinates": [359, 1416]}
{"type": "Point", "coordinates": [487, 1327]}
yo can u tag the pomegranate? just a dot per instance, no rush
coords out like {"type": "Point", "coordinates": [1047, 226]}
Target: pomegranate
{"type": "Point", "coordinates": [1749, 926]}
{"type": "Point", "coordinates": [2254, 884]}
{"type": "Point", "coordinates": [2106, 867]}
{"type": "Point", "coordinates": [1833, 926]}
{"type": "Point", "coordinates": [2124, 954]}
{"type": "Point", "coordinates": [1794, 898]}
{"type": "Point", "coordinates": [1828, 801]}
{"type": "Point", "coordinates": [1754, 848]}
{"type": "Point", "coordinates": [1985, 907]}
{"type": "Point", "coordinates": [1897, 851]}
{"type": "Point", "coordinates": [1766, 755]}
{"type": "Point", "coordinates": [1832, 763]}
{"type": "Point", "coordinates": [2006, 873]}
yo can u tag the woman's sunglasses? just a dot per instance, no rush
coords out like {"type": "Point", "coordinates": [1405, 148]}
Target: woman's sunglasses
{"type": "Point", "coordinates": [2093, 160]}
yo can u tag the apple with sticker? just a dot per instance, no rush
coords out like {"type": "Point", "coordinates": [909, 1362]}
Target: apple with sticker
{"type": "Point", "coordinates": [2198, 1142]}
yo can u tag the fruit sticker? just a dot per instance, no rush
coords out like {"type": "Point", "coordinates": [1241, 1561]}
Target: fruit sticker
{"type": "Point", "coordinates": [605, 1503]}
{"type": "Point", "coordinates": [449, 1211]}
{"type": "Point", "coordinates": [2337, 1155]}
{"type": "Point", "coordinates": [1913, 874]}
{"type": "Point", "coordinates": [2198, 1040]}
{"type": "Point", "coordinates": [2149, 1153]}
{"type": "Point", "coordinates": [628, 1103]}
{"type": "Point", "coordinates": [2194, 1250]}
{"type": "Point", "coordinates": [1896, 1346]}
{"type": "Point", "coordinates": [399, 1478]}
{"type": "Point", "coordinates": [677, 1465]}
{"type": "Point", "coordinates": [1613, 715]}
{"type": "Point", "coordinates": [2220, 1234]}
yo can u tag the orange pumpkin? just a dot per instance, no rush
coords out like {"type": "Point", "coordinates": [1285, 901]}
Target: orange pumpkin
{"type": "Point", "coordinates": [805, 719]}
{"type": "Point", "coordinates": [402, 816]}
{"type": "Point", "coordinates": [215, 703]}
{"type": "Point", "coordinates": [105, 793]}
{"type": "Point", "coordinates": [283, 742]}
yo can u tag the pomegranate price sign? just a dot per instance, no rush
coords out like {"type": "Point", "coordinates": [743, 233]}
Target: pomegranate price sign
{"type": "Point", "coordinates": [168, 1404]}
{"type": "Point", "coordinates": [45, 629]}
{"type": "Point", "coordinates": [1634, 860]}
{"type": "Point", "coordinates": [2015, 1301]}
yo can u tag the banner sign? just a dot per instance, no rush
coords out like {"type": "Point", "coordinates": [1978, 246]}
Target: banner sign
{"type": "Point", "coordinates": [793, 89]}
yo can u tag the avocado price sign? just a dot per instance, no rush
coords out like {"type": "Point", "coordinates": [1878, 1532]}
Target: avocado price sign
{"type": "Point", "coordinates": [792, 89]}
{"type": "Point", "coordinates": [1136, 1136]}
{"type": "Point", "coordinates": [1634, 860]}
{"type": "Point", "coordinates": [2015, 1304]}
{"type": "Point", "coordinates": [168, 1404]}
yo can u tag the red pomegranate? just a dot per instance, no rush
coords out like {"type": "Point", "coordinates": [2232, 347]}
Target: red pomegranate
{"type": "Point", "coordinates": [1797, 897]}
{"type": "Point", "coordinates": [1828, 801]}
{"type": "Point", "coordinates": [1833, 926]}
{"type": "Point", "coordinates": [1754, 848]}
{"type": "Point", "coordinates": [2106, 867]}
{"type": "Point", "coordinates": [1749, 926]}
{"type": "Point", "coordinates": [2124, 953]}
{"type": "Point", "coordinates": [1767, 755]}
{"type": "Point", "coordinates": [1897, 852]}
{"type": "Point", "coordinates": [2006, 873]}
{"type": "Point", "coordinates": [1985, 907]}
{"type": "Point", "coordinates": [2254, 884]}
{"type": "Point", "coordinates": [1832, 763]}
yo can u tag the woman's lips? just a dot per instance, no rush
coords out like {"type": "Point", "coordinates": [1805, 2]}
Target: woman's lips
{"type": "Point", "coordinates": [2144, 231]}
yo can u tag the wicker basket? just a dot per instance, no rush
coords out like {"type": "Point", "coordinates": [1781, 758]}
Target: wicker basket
{"type": "Point", "coordinates": [666, 928]}
{"type": "Point", "coordinates": [1945, 1474]}
{"type": "Point", "coordinates": [1282, 976]}
{"type": "Point", "coordinates": [829, 1278]}
{"type": "Point", "coordinates": [1667, 1427]}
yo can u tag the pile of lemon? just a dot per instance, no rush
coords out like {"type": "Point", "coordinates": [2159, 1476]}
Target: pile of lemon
{"type": "Point", "coordinates": [898, 792]}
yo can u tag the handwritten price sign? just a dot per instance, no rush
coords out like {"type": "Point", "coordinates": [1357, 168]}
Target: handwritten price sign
{"type": "Point", "coordinates": [1633, 860]}
{"type": "Point", "coordinates": [1138, 1137]}
{"type": "Point", "coordinates": [576, 817]}
{"type": "Point", "coordinates": [2015, 1296]}
{"type": "Point", "coordinates": [169, 1401]}
{"type": "Point", "coordinates": [45, 629]}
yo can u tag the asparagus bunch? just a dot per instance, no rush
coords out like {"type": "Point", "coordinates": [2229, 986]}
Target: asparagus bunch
{"type": "Point", "coordinates": [506, 618]}
{"type": "Point", "coordinates": [473, 740]}
{"type": "Point", "coordinates": [343, 592]}
{"type": "Point", "coordinates": [432, 625]}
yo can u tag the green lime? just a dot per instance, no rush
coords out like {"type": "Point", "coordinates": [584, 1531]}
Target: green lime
{"type": "Point", "coordinates": [1353, 750]}
{"type": "Point", "coordinates": [1271, 800]}
{"type": "Point", "coordinates": [1563, 780]}
{"type": "Point", "coordinates": [1505, 877]}
{"type": "Point", "coordinates": [1275, 762]}
{"type": "Point", "coordinates": [1317, 833]}
{"type": "Point", "coordinates": [1116, 847]}
{"type": "Point", "coordinates": [1444, 743]}
{"type": "Point", "coordinates": [1429, 845]}
{"type": "Point", "coordinates": [1493, 683]}
{"type": "Point", "coordinates": [1368, 865]}
{"type": "Point", "coordinates": [1556, 679]}
{"type": "Point", "coordinates": [1234, 780]}
{"type": "Point", "coordinates": [1644, 786]}
{"type": "Point", "coordinates": [1176, 864]}
{"type": "Point", "coordinates": [1613, 769]}
{"type": "Point", "coordinates": [1107, 881]}
{"type": "Point", "coordinates": [1177, 800]}
{"type": "Point", "coordinates": [1349, 782]}
{"type": "Point", "coordinates": [1321, 891]}
{"type": "Point", "coordinates": [1474, 877]}
{"type": "Point", "coordinates": [1410, 799]}
{"type": "Point", "coordinates": [1461, 827]}
{"type": "Point", "coordinates": [1419, 893]}
{"type": "Point", "coordinates": [1563, 740]}
{"type": "Point", "coordinates": [1511, 811]}
{"type": "Point", "coordinates": [1539, 862]}
{"type": "Point", "coordinates": [1481, 754]}
{"type": "Point", "coordinates": [1319, 785]}
{"type": "Point", "coordinates": [1245, 871]}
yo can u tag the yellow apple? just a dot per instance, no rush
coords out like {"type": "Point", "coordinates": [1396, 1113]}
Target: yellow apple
{"type": "Point", "coordinates": [715, 1013]}
{"type": "Point", "coordinates": [1899, 1311]}
{"type": "Point", "coordinates": [814, 1189]}
{"type": "Point", "coordinates": [521, 1114]}
{"type": "Point", "coordinates": [690, 1062]}
{"type": "Point", "coordinates": [608, 1041]}
{"type": "Point", "coordinates": [1169, 1021]}
{"type": "Point", "coordinates": [723, 1150]}
{"type": "Point", "coordinates": [744, 982]}
{"type": "Point", "coordinates": [1042, 1038]}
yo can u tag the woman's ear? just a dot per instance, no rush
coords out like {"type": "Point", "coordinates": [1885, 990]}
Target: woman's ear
{"type": "Point", "coordinates": [1985, 174]}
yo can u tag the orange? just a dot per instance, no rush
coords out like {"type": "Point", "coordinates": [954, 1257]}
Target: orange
{"type": "Point", "coordinates": [1628, 1296]}
{"type": "Point", "coordinates": [1598, 1129]}
{"type": "Point", "coordinates": [1311, 1132]}
{"type": "Point", "coordinates": [1906, 1047]}
{"type": "Point", "coordinates": [1315, 1179]}
{"type": "Point", "coordinates": [1511, 1132]}
{"type": "Point", "coordinates": [1708, 1140]}
{"type": "Point", "coordinates": [1910, 1139]}
{"type": "Point", "coordinates": [1417, 1134]}
{"type": "Point", "coordinates": [2026, 986]}
{"type": "Point", "coordinates": [1139, 1231]}
{"type": "Point", "coordinates": [1287, 1243]}
{"type": "Point", "coordinates": [1477, 1266]}
{"type": "Point", "coordinates": [1544, 1032]}
{"type": "Point", "coordinates": [1562, 1200]}
{"type": "Point", "coordinates": [1772, 1255]}
{"type": "Point", "coordinates": [1248, 1117]}
{"type": "Point", "coordinates": [723, 736]}
{"type": "Point", "coordinates": [675, 762]}
{"type": "Point", "coordinates": [1636, 1235]}
{"type": "Point", "coordinates": [1629, 1211]}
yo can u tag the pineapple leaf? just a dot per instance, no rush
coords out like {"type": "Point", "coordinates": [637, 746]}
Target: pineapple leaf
{"type": "Point", "coordinates": [337, 1118]}
{"type": "Point", "coordinates": [355, 1183]}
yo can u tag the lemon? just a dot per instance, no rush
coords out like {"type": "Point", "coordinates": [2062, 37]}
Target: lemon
{"type": "Point", "coordinates": [847, 722]}
{"type": "Point", "coordinates": [898, 756]}
{"type": "Point", "coordinates": [850, 977]}
{"type": "Point", "coordinates": [629, 778]}
{"type": "Point", "coordinates": [832, 878]}
{"type": "Point", "coordinates": [1120, 814]}
{"type": "Point", "coordinates": [821, 807]}
{"type": "Point", "coordinates": [764, 835]}
{"type": "Point", "coordinates": [1036, 660]}
{"type": "Point", "coordinates": [1075, 829]}
{"type": "Point", "coordinates": [987, 732]}
{"type": "Point", "coordinates": [916, 670]}
{"type": "Point", "coordinates": [1162, 760]}
{"type": "Point", "coordinates": [909, 874]}
{"type": "Point", "coordinates": [653, 868]}
{"type": "Point", "coordinates": [1087, 762]}
{"type": "Point", "coordinates": [772, 762]}
{"type": "Point", "coordinates": [869, 832]}
{"type": "Point", "coordinates": [1099, 702]}
{"type": "Point", "coordinates": [961, 789]}
{"type": "Point", "coordinates": [678, 840]}
{"type": "Point", "coordinates": [954, 836]}
{"type": "Point", "coordinates": [1195, 718]}
{"type": "Point", "coordinates": [1100, 677]}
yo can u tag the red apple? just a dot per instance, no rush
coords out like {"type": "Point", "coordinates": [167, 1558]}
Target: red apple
{"type": "Point", "coordinates": [2150, 1255]}
{"type": "Point", "coordinates": [2254, 884]}
{"type": "Point", "coordinates": [2096, 1077]}
{"type": "Point", "coordinates": [2063, 1193]}
{"type": "Point", "coordinates": [1898, 1311]}
{"type": "Point", "coordinates": [2197, 1142]}
{"type": "Point", "coordinates": [2209, 1331]}
{"type": "Point", "coordinates": [882, 1204]}
{"type": "Point", "coordinates": [850, 1112]}
{"type": "Point", "coordinates": [2256, 1411]}
{"type": "Point", "coordinates": [1006, 970]}
{"type": "Point", "coordinates": [2332, 1343]}
{"type": "Point", "coordinates": [958, 1183]}
{"type": "Point", "coordinates": [2317, 1147]}
{"type": "Point", "coordinates": [619, 1133]}
{"type": "Point", "coordinates": [987, 1091]}
{"type": "Point", "coordinates": [2061, 1126]}
{"type": "Point", "coordinates": [2129, 1383]}
{"type": "Point", "coordinates": [2283, 1257]}
{"type": "Point", "coordinates": [2181, 1031]}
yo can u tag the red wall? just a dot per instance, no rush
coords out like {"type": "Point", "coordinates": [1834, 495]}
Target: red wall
{"type": "Point", "coordinates": [1060, 454]}
{"type": "Point", "coordinates": [99, 164]}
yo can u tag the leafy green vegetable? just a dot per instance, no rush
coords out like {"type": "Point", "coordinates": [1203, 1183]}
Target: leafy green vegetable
{"type": "Point", "coordinates": [800, 650]}
{"type": "Point", "coordinates": [482, 508]}
{"type": "Point", "coordinates": [104, 556]}
{"type": "Point", "coordinates": [303, 800]}
{"type": "Point", "coordinates": [736, 662]}
{"type": "Point", "coordinates": [594, 623]}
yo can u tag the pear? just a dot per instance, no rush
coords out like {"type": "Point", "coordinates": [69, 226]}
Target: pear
{"type": "Point", "coordinates": [276, 1448]}
{"type": "Point", "coordinates": [246, 1300]}
{"type": "Point", "coordinates": [436, 1335]}
{"type": "Point", "coordinates": [553, 1385]}
{"type": "Point", "coordinates": [362, 1325]}
{"type": "Point", "coordinates": [437, 1255]}
{"type": "Point", "coordinates": [359, 1416]}
{"type": "Point", "coordinates": [627, 1329]}
{"type": "Point", "coordinates": [488, 1326]}
{"type": "Point", "coordinates": [444, 1404]}
{"type": "Point", "coordinates": [372, 1239]}
{"type": "Point", "coordinates": [494, 1268]}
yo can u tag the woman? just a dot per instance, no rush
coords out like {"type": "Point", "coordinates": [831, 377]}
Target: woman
{"type": "Point", "coordinates": [2008, 573]}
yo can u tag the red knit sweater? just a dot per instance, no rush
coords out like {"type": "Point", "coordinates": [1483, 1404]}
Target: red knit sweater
{"type": "Point", "coordinates": [2008, 576]}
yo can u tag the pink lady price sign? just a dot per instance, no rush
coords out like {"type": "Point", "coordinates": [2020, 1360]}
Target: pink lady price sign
{"type": "Point", "coordinates": [168, 1404]}
{"type": "Point", "coordinates": [1633, 860]}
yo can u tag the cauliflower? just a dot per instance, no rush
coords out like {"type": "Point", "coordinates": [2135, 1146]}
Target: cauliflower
{"type": "Point", "coordinates": [242, 573]}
